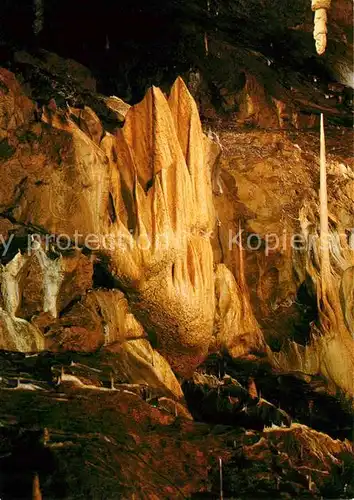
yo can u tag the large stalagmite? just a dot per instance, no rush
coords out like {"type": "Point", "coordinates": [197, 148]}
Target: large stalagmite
{"type": "Point", "coordinates": [163, 161]}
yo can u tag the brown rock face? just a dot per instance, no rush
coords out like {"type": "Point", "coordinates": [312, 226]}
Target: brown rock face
{"type": "Point", "coordinates": [180, 458]}
{"type": "Point", "coordinates": [347, 297]}
{"type": "Point", "coordinates": [147, 190]}
{"type": "Point", "coordinates": [91, 125]}
{"type": "Point", "coordinates": [16, 109]}
{"type": "Point", "coordinates": [132, 257]}
{"type": "Point", "coordinates": [237, 330]}
{"type": "Point", "coordinates": [275, 182]}
{"type": "Point", "coordinates": [151, 205]}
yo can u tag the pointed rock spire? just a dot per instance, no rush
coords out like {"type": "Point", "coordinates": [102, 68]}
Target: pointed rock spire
{"type": "Point", "coordinates": [36, 490]}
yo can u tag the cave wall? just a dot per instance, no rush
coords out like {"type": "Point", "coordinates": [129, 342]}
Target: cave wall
{"type": "Point", "coordinates": [158, 188]}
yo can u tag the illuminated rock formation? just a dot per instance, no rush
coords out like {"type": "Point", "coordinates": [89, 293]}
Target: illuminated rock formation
{"type": "Point", "coordinates": [275, 196]}
{"type": "Point", "coordinates": [320, 7]}
{"type": "Point", "coordinates": [144, 202]}
{"type": "Point", "coordinates": [236, 329]}
{"type": "Point", "coordinates": [15, 333]}
{"type": "Point", "coordinates": [139, 202]}
{"type": "Point", "coordinates": [164, 169]}
{"type": "Point", "coordinates": [329, 260]}
{"type": "Point", "coordinates": [176, 275]}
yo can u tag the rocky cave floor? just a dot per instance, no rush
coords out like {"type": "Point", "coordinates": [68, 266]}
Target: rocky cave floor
{"type": "Point", "coordinates": [66, 418]}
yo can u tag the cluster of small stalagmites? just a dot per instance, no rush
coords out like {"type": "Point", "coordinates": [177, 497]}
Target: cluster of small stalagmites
{"type": "Point", "coordinates": [320, 7]}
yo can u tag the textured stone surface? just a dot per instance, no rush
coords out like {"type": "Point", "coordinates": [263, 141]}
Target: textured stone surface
{"type": "Point", "coordinates": [275, 182]}
{"type": "Point", "coordinates": [236, 328]}
{"type": "Point", "coordinates": [152, 314]}
{"type": "Point", "coordinates": [139, 363]}
{"type": "Point", "coordinates": [91, 125]}
{"type": "Point", "coordinates": [161, 204]}
{"type": "Point", "coordinates": [118, 106]}
{"type": "Point", "coordinates": [170, 259]}
{"type": "Point", "coordinates": [87, 441]}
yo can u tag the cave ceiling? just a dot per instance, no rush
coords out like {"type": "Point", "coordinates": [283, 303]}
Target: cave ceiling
{"type": "Point", "coordinates": [131, 45]}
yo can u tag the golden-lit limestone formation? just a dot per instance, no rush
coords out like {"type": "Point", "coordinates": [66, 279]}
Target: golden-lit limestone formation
{"type": "Point", "coordinates": [280, 197]}
{"type": "Point", "coordinates": [236, 329]}
{"type": "Point", "coordinates": [117, 106]}
{"type": "Point", "coordinates": [150, 191]}
{"type": "Point", "coordinates": [329, 259]}
{"type": "Point", "coordinates": [176, 306]}
{"type": "Point", "coordinates": [141, 364]}
{"type": "Point", "coordinates": [119, 324]}
{"type": "Point", "coordinates": [16, 334]}
{"type": "Point", "coordinates": [320, 7]}
{"type": "Point", "coordinates": [49, 198]}
{"type": "Point", "coordinates": [10, 282]}
{"type": "Point", "coordinates": [57, 281]}
{"type": "Point", "coordinates": [331, 350]}
{"type": "Point", "coordinates": [34, 284]}
{"type": "Point", "coordinates": [166, 201]}
{"type": "Point", "coordinates": [148, 188]}
{"type": "Point", "coordinates": [91, 124]}
{"type": "Point", "coordinates": [347, 297]}
{"type": "Point", "coordinates": [47, 165]}
{"type": "Point", "coordinates": [198, 151]}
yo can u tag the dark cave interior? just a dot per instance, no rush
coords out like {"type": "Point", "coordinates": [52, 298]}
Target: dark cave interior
{"type": "Point", "coordinates": [130, 46]}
